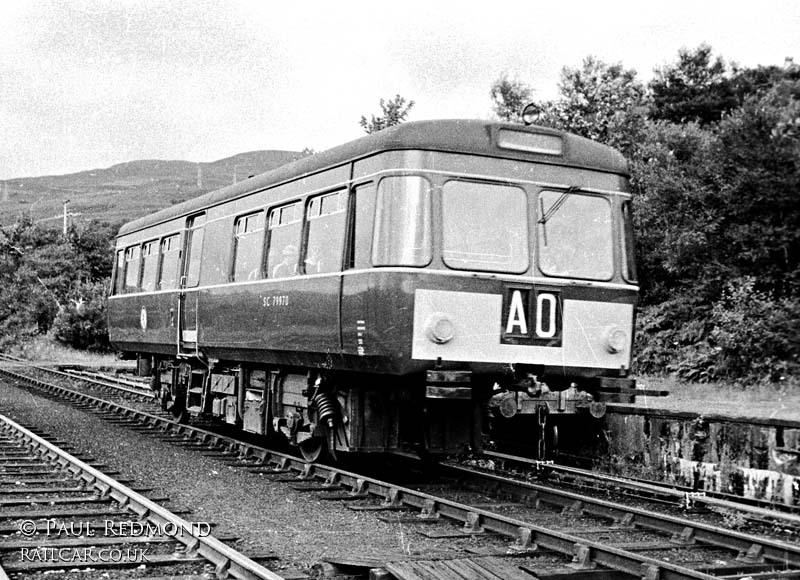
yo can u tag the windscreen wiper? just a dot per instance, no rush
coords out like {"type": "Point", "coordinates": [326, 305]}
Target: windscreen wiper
{"type": "Point", "coordinates": [546, 215]}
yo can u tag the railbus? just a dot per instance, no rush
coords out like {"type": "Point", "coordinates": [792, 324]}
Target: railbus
{"type": "Point", "coordinates": [399, 291]}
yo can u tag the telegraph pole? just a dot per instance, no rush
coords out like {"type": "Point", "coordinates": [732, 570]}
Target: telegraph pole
{"type": "Point", "coordinates": [67, 217]}
{"type": "Point", "coordinates": [235, 171]}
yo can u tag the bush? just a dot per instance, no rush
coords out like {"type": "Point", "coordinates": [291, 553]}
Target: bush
{"type": "Point", "coordinates": [746, 333]}
{"type": "Point", "coordinates": [81, 324]}
{"type": "Point", "coordinates": [669, 333]}
{"type": "Point", "coordinates": [753, 333]}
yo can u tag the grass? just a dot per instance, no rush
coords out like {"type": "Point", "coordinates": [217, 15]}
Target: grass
{"type": "Point", "coordinates": [45, 351]}
{"type": "Point", "coordinates": [756, 399]}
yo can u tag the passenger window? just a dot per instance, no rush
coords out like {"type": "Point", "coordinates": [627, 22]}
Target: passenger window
{"type": "Point", "coordinates": [402, 222]}
{"type": "Point", "coordinates": [132, 269]}
{"type": "Point", "coordinates": [194, 250]}
{"type": "Point", "coordinates": [149, 265]}
{"type": "Point", "coordinates": [247, 247]}
{"type": "Point", "coordinates": [170, 262]}
{"type": "Point", "coordinates": [119, 279]}
{"type": "Point", "coordinates": [326, 217]}
{"type": "Point", "coordinates": [284, 240]}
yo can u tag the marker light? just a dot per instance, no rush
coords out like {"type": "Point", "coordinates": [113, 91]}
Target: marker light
{"type": "Point", "coordinates": [440, 328]}
{"type": "Point", "coordinates": [528, 114]}
{"type": "Point", "coordinates": [616, 340]}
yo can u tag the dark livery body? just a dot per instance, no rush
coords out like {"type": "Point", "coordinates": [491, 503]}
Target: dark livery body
{"type": "Point", "coordinates": [389, 291]}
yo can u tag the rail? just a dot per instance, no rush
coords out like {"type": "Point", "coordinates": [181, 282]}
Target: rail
{"type": "Point", "coordinates": [226, 559]}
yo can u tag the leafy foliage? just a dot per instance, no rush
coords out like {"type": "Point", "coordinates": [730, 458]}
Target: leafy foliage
{"type": "Point", "coordinates": [81, 323]}
{"type": "Point", "coordinates": [509, 96]}
{"type": "Point", "coordinates": [696, 88]}
{"type": "Point", "coordinates": [393, 112]}
{"type": "Point", "coordinates": [595, 100]}
{"type": "Point", "coordinates": [752, 332]}
{"type": "Point", "coordinates": [54, 284]}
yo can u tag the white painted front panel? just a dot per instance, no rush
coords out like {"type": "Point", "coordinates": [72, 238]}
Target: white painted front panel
{"type": "Point", "coordinates": [477, 321]}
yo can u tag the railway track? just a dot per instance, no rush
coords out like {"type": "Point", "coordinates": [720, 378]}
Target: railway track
{"type": "Point", "coordinates": [756, 511]}
{"type": "Point", "coordinates": [751, 510]}
{"type": "Point", "coordinates": [523, 522]}
{"type": "Point", "coordinates": [123, 388]}
{"type": "Point", "coordinates": [60, 513]}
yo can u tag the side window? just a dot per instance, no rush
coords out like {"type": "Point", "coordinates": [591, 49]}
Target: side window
{"type": "Point", "coordinates": [149, 265]}
{"type": "Point", "coordinates": [628, 246]}
{"type": "Point", "coordinates": [403, 222]}
{"type": "Point", "coordinates": [327, 219]}
{"type": "Point", "coordinates": [194, 249]}
{"type": "Point", "coordinates": [284, 240]}
{"type": "Point", "coordinates": [247, 247]}
{"type": "Point", "coordinates": [170, 262]}
{"type": "Point", "coordinates": [361, 232]}
{"type": "Point", "coordinates": [119, 276]}
{"type": "Point", "coordinates": [132, 268]}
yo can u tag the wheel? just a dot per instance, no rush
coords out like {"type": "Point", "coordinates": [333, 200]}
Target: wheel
{"type": "Point", "coordinates": [553, 447]}
{"type": "Point", "coordinates": [182, 417]}
{"type": "Point", "coordinates": [179, 409]}
{"type": "Point", "coordinates": [164, 398]}
{"type": "Point", "coordinates": [314, 449]}
{"type": "Point", "coordinates": [176, 403]}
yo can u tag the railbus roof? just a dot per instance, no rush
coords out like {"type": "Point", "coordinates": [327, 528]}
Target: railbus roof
{"type": "Point", "coordinates": [474, 137]}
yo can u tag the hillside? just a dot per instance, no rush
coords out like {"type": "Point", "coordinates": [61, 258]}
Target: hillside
{"type": "Point", "coordinates": [128, 190]}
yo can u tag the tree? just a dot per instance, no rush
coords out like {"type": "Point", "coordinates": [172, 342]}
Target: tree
{"type": "Point", "coordinates": [719, 239]}
{"type": "Point", "coordinates": [696, 88]}
{"type": "Point", "coordinates": [46, 278]}
{"type": "Point", "coordinates": [509, 97]}
{"type": "Point", "coordinates": [393, 112]}
{"type": "Point", "coordinates": [596, 101]}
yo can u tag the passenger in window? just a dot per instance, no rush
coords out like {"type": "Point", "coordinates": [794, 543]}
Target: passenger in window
{"type": "Point", "coordinates": [313, 264]}
{"type": "Point", "coordinates": [287, 266]}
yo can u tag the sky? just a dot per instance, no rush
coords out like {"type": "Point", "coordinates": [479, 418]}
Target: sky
{"type": "Point", "coordinates": [87, 84]}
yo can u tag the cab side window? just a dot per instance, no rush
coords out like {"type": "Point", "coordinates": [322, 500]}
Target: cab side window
{"type": "Point", "coordinates": [119, 276]}
{"type": "Point", "coordinates": [402, 234]}
{"type": "Point", "coordinates": [628, 253]}
{"type": "Point", "coordinates": [326, 219]}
